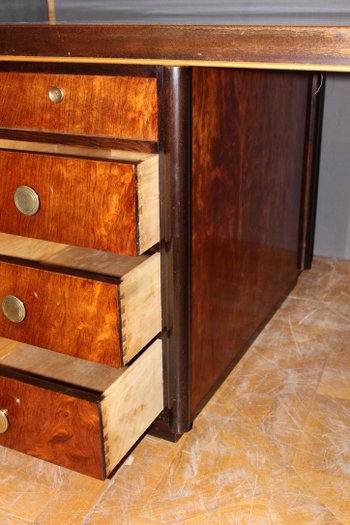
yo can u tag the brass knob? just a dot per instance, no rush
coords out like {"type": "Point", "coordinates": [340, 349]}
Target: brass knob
{"type": "Point", "coordinates": [26, 200]}
{"type": "Point", "coordinates": [4, 422]}
{"type": "Point", "coordinates": [13, 309]}
{"type": "Point", "coordinates": [56, 94]}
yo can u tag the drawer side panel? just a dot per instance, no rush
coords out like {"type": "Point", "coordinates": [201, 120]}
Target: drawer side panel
{"type": "Point", "coordinates": [131, 404]}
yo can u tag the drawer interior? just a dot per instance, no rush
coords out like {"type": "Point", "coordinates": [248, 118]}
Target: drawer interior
{"type": "Point", "coordinates": [119, 327]}
{"type": "Point", "coordinates": [81, 415]}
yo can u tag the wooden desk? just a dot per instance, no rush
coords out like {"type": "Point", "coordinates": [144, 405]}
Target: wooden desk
{"type": "Point", "coordinates": [237, 134]}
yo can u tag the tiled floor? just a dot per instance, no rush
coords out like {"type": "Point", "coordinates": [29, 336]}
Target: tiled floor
{"type": "Point", "coordinates": [272, 447]}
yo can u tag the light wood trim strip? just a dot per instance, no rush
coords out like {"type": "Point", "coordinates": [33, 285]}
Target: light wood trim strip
{"type": "Point", "coordinates": [76, 151]}
{"type": "Point", "coordinates": [148, 203]}
{"type": "Point", "coordinates": [51, 11]}
{"type": "Point", "coordinates": [131, 404]}
{"type": "Point", "coordinates": [233, 64]}
{"type": "Point", "coordinates": [140, 300]}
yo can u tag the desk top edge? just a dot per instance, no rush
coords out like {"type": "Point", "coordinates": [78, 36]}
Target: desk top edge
{"type": "Point", "coordinates": [317, 48]}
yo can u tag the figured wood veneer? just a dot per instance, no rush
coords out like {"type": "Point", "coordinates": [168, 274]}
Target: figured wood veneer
{"type": "Point", "coordinates": [248, 157]}
{"type": "Point", "coordinates": [104, 205]}
{"type": "Point", "coordinates": [81, 316]}
{"type": "Point", "coordinates": [90, 434]}
{"type": "Point", "coordinates": [52, 426]}
{"type": "Point", "coordinates": [119, 106]}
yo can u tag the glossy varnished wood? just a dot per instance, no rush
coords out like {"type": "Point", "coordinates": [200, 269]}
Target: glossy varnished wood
{"type": "Point", "coordinates": [248, 153]}
{"type": "Point", "coordinates": [103, 205]}
{"type": "Point", "coordinates": [53, 426]}
{"type": "Point", "coordinates": [120, 106]}
{"type": "Point", "coordinates": [82, 416]}
{"type": "Point", "coordinates": [245, 46]}
{"type": "Point", "coordinates": [311, 170]}
{"type": "Point", "coordinates": [103, 320]}
{"type": "Point", "coordinates": [175, 190]}
{"type": "Point", "coordinates": [68, 314]}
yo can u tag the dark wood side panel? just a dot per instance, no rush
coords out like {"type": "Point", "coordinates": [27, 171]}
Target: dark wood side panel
{"type": "Point", "coordinates": [123, 107]}
{"type": "Point", "coordinates": [248, 152]}
{"type": "Point", "coordinates": [51, 426]}
{"type": "Point", "coordinates": [67, 314]}
{"type": "Point", "coordinates": [82, 202]}
{"type": "Point", "coordinates": [311, 170]}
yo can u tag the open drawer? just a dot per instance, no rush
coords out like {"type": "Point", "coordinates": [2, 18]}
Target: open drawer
{"type": "Point", "coordinates": [77, 414]}
{"type": "Point", "coordinates": [85, 303]}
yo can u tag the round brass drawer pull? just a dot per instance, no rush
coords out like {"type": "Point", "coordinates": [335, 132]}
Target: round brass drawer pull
{"type": "Point", "coordinates": [4, 422]}
{"type": "Point", "coordinates": [56, 94]}
{"type": "Point", "coordinates": [13, 309]}
{"type": "Point", "coordinates": [26, 200]}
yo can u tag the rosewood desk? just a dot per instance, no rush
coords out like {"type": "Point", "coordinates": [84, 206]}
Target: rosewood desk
{"type": "Point", "coordinates": [157, 204]}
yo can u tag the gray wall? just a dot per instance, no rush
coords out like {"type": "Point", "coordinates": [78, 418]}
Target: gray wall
{"type": "Point", "coordinates": [333, 214]}
{"type": "Point", "coordinates": [322, 12]}
{"type": "Point", "coordinates": [12, 11]}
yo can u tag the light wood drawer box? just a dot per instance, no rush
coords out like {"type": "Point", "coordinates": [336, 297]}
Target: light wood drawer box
{"type": "Point", "coordinates": [120, 107]}
{"type": "Point", "coordinates": [111, 206]}
{"type": "Point", "coordinates": [89, 304]}
{"type": "Point", "coordinates": [83, 416]}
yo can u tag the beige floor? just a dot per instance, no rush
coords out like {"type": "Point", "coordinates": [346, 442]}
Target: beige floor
{"type": "Point", "coordinates": [272, 447]}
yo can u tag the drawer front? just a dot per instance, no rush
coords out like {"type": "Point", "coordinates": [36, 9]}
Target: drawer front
{"type": "Point", "coordinates": [68, 314]}
{"type": "Point", "coordinates": [90, 433]}
{"type": "Point", "coordinates": [109, 206]}
{"type": "Point", "coordinates": [51, 426]}
{"type": "Point", "coordinates": [121, 107]}
{"type": "Point", "coordinates": [104, 322]}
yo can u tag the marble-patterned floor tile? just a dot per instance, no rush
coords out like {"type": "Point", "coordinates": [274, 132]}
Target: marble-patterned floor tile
{"type": "Point", "coordinates": [10, 519]}
{"type": "Point", "coordinates": [313, 285]}
{"type": "Point", "coordinates": [331, 491]}
{"type": "Point", "coordinates": [325, 445]}
{"type": "Point", "coordinates": [335, 379]}
{"type": "Point", "coordinates": [256, 511]}
{"type": "Point", "coordinates": [132, 486]}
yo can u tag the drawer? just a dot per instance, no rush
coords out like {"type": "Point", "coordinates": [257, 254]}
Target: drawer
{"type": "Point", "coordinates": [105, 106]}
{"type": "Point", "coordinates": [88, 304]}
{"type": "Point", "coordinates": [88, 417]}
{"type": "Point", "coordinates": [105, 205]}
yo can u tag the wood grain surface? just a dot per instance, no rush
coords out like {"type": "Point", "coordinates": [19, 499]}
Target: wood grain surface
{"type": "Point", "coordinates": [57, 367]}
{"type": "Point", "coordinates": [52, 426]}
{"type": "Point", "coordinates": [248, 150]}
{"type": "Point", "coordinates": [104, 322]}
{"type": "Point", "coordinates": [68, 258]}
{"type": "Point", "coordinates": [121, 107]}
{"type": "Point", "coordinates": [312, 48]}
{"type": "Point", "coordinates": [132, 403]}
{"type": "Point", "coordinates": [67, 314]}
{"type": "Point", "coordinates": [82, 201]}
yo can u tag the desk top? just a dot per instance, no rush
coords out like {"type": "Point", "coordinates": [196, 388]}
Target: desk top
{"type": "Point", "coordinates": [302, 36]}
